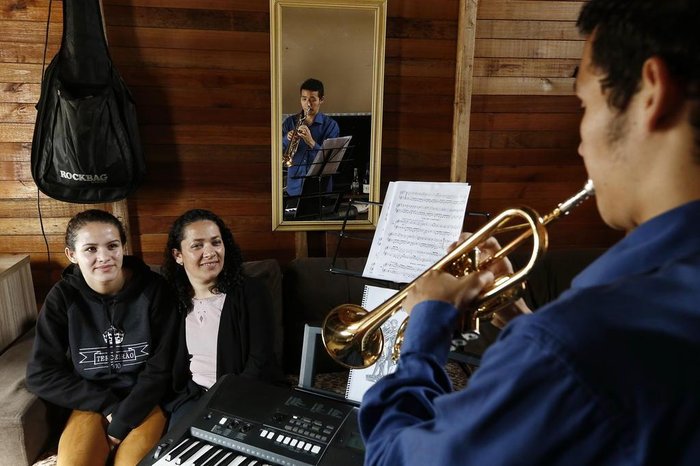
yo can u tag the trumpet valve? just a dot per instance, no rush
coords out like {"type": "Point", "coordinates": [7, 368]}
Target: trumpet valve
{"type": "Point", "coordinates": [464, 264]}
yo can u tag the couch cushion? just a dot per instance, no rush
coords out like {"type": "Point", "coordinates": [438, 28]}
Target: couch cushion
{"type": "Point", "coordinates": [269, 271]}
{"type": "Point", "coordinates": [310, 291]}
{"type": "Point", "coordinates": [23, 417]}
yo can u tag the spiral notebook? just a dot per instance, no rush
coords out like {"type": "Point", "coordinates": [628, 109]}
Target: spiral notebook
{"type": "Point", "coordinates": [359, 380]}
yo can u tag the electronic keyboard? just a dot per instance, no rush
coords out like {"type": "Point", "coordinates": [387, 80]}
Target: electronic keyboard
{"type": "Point", "coordinates": [245, 422]}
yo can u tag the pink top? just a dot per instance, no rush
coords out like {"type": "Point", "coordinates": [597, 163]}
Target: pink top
{"type": "Point", "coordinates": [201, 333]}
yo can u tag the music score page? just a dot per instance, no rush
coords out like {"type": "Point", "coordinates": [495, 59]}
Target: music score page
{"type": "Point", "coordinates": [419, 220]}
{"type": "Point", "coordinates": [359, 380]}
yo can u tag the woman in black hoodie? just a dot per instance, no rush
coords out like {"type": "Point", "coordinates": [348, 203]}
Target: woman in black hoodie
{"type": "Point", "coordinates": [103, 347]}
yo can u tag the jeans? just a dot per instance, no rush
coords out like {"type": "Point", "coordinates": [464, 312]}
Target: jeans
{"type": "Point", "coordinates": [84, 440]}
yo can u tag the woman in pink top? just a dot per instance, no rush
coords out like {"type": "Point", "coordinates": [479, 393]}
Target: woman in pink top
{"type": "Point", "coordinates": [225, 315]}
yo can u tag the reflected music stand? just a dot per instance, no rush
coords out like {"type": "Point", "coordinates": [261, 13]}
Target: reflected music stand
{"type": "Point", "coordinates": [328, 157]}
{"type": "Point", "coordinates": [315, 201]}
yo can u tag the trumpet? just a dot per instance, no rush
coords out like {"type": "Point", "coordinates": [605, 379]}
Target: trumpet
{"type": "Point", "coordinates": [288, 156]}
{"type": "Point", "coordinates": [353, 337]}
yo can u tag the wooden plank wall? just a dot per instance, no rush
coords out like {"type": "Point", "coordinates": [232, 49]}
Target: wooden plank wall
{"type": "Point", "coordinates": [524, 121]}
{"type": "Point", "coordinates": [199, 72]}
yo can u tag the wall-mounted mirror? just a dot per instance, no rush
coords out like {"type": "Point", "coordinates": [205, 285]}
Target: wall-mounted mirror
{"type": "Point", "coordinates": [327, 72]}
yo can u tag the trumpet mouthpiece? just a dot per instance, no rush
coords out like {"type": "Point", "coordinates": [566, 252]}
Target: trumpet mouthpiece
{"type": "Point", "coordinates": [587, 191]}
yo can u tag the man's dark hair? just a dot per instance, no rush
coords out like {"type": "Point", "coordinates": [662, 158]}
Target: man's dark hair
{"type": "Point", "coordinates": [232, 273]}
{"type": "Point", "coordinates": [81, 219]}
{"type": "Point", "coordinates": [628, 32]}
{"type": "Point", "coordinates": [312, 85]}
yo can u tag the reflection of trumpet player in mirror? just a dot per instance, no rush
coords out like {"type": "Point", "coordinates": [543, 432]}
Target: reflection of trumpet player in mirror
{"type": "Point", "coordinates": [606, 374]}
{"type": "Point", "coordinates": [303, 134]}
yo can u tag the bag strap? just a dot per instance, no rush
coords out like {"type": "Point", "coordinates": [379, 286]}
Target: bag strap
{"type": "Point", "coordinates": [38, 191]}
{"type": "Point", "coordinates": [46, 41]}
{"type": "Point", "coordinates": [84, 55]}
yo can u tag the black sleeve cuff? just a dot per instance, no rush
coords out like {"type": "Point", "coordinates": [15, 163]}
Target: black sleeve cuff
{"type": "Point", "coordinates": [110, 409]}
{"type": "Point", "coordinates": [118, 429]}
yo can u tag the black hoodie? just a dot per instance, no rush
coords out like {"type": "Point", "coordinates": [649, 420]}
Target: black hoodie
{"type": "Point", "coordinates": [107, 354]}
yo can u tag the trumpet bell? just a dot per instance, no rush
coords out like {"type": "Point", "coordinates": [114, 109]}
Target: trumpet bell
{"type": "Point", "coordinates": [345, 344]}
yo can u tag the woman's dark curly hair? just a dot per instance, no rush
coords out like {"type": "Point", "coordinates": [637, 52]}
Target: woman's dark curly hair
{"type": "Point", "coordinates": [231, 275]}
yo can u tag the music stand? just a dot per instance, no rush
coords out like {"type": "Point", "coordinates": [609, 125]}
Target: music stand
{"type": "Point", "coordinates": [328, 157]}
{"type": "Point", "coordinates": [326, 164]}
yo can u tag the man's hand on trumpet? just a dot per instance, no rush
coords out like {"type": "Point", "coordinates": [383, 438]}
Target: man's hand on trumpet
{"type": "Point", "coordinates": [305, 134]}
{"type": "Point", "coordinates": [461, 291]}
{"type": "Point", "coordinates": [499, 268]}
{"type": "Point", "coordinates": [437, 285]}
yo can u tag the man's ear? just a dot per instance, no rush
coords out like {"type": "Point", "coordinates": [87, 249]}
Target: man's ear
{"type": "Point", "coordinates": [70, 255]}
{"type": "Point", "coordinates": [661, 94]}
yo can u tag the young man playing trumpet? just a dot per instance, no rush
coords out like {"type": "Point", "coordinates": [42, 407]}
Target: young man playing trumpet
{"type": "Point", "coordinates": [608, 373]}
{"type": "Point", "coordinates": [315, 128]}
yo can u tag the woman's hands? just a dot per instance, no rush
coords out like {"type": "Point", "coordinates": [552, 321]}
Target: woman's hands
{"type": "Point", "coordinates": [113, 441]}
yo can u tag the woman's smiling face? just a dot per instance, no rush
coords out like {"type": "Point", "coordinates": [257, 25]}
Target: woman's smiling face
{"type": "Point", "coordinates": [201, 253]}
{"type": "Point", "coordinates": [99, 253]}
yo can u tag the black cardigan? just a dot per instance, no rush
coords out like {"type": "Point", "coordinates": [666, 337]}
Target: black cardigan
{"type": "Point", "coordinates": [244, 343]}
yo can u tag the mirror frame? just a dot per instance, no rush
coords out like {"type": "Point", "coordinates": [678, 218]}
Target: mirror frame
{"type": "Point", "coordinates": [276, 50]}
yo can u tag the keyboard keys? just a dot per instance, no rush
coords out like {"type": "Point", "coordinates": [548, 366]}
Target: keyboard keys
{"type": "Point", "coordinates": [206, 456]}
{"type": "Point", "coordinates": [184, 456]}
{"type": "Point", "coordinates": [217, 458]}
{"type": "Point", "coordinates": [182, 446]}
{"type": "Point", "coordinates": [198, 452]}
{"type": "Point", "coordinates": [238, 460]}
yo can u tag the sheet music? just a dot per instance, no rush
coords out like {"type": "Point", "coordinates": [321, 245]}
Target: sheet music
{"type": "Point", "coordinates": [419, 220]}
{"type": "Point", "coordinates": [359, 380]}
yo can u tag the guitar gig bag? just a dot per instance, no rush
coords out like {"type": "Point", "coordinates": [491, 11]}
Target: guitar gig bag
{"type": "Point", "coordinates": [86, 146]}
